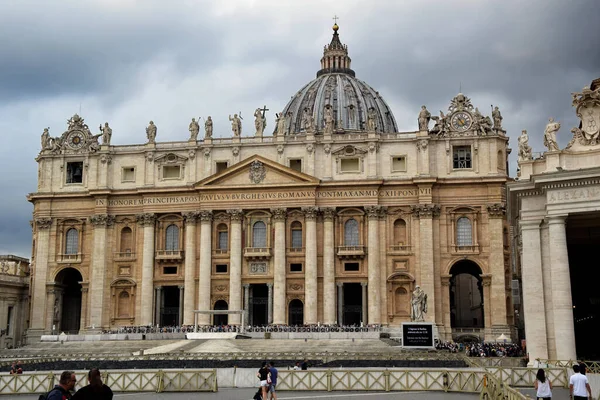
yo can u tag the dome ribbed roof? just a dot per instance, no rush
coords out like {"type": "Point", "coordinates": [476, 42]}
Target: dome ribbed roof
{"type": "Point", "coordinates": [349, 98]}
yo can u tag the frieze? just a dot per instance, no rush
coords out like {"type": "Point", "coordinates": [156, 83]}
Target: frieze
{"type": "Point", "coordinates": [574, 195]}
{"type": "Point", "coordinates": [497, 210]}
{"type": "Point", "coordinates": [146, 219]}
{"type": "Point", "coordinates": [426, 210]}
{"type": "Point", "coordinates": [43, 223]}
{"type": "Point", "coordinates": [102, 220]}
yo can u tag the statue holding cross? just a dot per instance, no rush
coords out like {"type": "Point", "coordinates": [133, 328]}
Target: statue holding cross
{"type": "Point", "coordinates": [260, 121]}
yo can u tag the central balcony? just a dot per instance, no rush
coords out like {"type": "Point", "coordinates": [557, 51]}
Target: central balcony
{"type": "Point", "coordinates": [125, 256]}
{"type": "Point", "coordinates": [69, 258]}
{"type": "Point", "coordinates": [169, 255]}
{"type": "Point", "coordinates": [257, 253]}
{"type": "Point", "coordinates": [351, 252]}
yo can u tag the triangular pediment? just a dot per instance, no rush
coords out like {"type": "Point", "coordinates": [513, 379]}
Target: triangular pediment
{"type": "Point", "coordinates": [257, 171]}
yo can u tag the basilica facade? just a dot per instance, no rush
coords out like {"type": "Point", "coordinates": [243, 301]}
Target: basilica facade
{"type": "Point", "coordinates": [335, 218]}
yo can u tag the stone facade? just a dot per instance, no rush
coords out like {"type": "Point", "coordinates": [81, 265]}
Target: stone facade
{"type": "Point", "coordinates": [14, 300]}
{"type": "Point", "coordinates": [281, 226]}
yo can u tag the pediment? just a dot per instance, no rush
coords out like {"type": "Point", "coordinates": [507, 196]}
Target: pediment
{"type": "Point", "coordinates": [257, 171]}
{"type": "Point", "coordinates": [170, 158]}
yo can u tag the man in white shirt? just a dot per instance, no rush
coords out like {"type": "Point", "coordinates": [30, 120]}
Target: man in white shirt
{"type": "Point", "coordinates": [579, 386]}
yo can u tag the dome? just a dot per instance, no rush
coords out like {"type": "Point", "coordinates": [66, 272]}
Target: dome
{"type": "Point", "coordinates": [337, 92]}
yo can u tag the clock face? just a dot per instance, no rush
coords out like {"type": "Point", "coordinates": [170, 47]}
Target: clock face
{"type": "Point", "coordinates": [461, 121]}
{"type": "Point", "coordinates": [75, 140]}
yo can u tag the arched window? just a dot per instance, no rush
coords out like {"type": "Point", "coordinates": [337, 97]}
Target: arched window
{"type": "Point", "coordinates": [222, 237]}
{"type": "Point", "coordinates": [464, 232]}
{"type": "Point", "coordinates": [172, 236]}
{"type": "Point", "coordinates": [400, 232]}
{"type": "Point", "coordinates": [72, 241]}
{"type": "Point", "coordinates": [126, 240]}
{"type": "Point", "coordinates": [296, 228]}
{"type": "Point", "coordinates": [351, 232]}
{"type": "Point", "coordinates": [123, 304]}
{"type": "Point", "coordinates": [259, 234]}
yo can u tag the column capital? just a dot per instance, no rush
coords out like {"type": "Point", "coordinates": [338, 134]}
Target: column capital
{"type": "Point", "coordinates": [206, 216]}
{"type": "Point", "coordinates": [426, 210]}
{"type": "Point", "coordinates": [181, 287]}
{"type": "Point", "coordinates": [270, 285]}
{"type": "Point", "coordinates": [236, 215]}
{"type": "Point", "coordinates": [530, 224]}
{"type": "Point", "coordinates": [43, 223]}
{"type": "Point", "coordinates": [496, 210]}
{"type": "Point", "coordinates": [246, 286]}
{"type": "Point", "coordinates": [486, 279]}
{"type": "Point", "coordinates": [102, 220]}
{"type": "Point", "coordinates": [446, 280]}
{"type": "Point", "coordinates": [279, 214]}
{"type": "Point", "coordinates": [146, 219]}
{"type": "Point", "coordinates": [556, 219]}
{"type": "Point", "coordinates": [364, 284]}
{"type": "Point", "coordinates": [310, 213]}
{"type": "Point", "coordinates": [339, 284]}
{"type": "Point", "coordinates": [190, 217]}
{"type": "Point", "coordinates": [373, 211]}
{"type": "Point", "coordinates": [328, 213]}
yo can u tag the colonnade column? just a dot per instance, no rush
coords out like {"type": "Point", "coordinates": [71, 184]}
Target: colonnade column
{"type": "Point", "coordinates": [328, 267]}
{"type": "Point", "coordinates": [340, 303]}
{"type": "Point", "coordinates": [205, 266]}
{"type": "Point", "coordinates": [98, 272]}
{"type": "Point", "coordinates": [564, 330]}
{"type": "Point", "coordinates": [38, 301]}
{"type": "Point", "coordinates": [279, 279]}
{"type": "Point", "coordinates": [533, 297]}
{"type": "Point", "coordinates": [374, 303]}
{"type": "Point", "coordinates": [246, 304]}
{"type": "Point", "coordinates": [147, 221]}
{"type": "Point", "coordinates": [364, 301]}
{"type": "Point", "coordinates": [496, 213]}
{"type": "Point", "coordinates": [190, 268]}
{"type": "Point", "coordinates": [425, 213]}
{"type": "Point", "coordinates": [235, 265]}
{"type": "Point", "coordinates": [270, 303]}
{"type": "Point", "coordinates": [310, 274]}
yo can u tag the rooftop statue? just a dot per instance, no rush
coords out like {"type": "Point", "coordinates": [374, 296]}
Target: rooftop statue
{"type": "Point", "coordinates": [151, 132]}
{"type": "Point", "coordinates": [281, 120]}
{"type": "Point", "coordinates": [260, 122]}
{"type": "Point", "coordinates": [424, 118]}
{"type": "Point", "coordinates": [194, 128]}
{"type": "Point", "coordinates": [328, 118]}
{"type": "Point", "coordinates": [525, 152]}
{"type": "Point", "coordinates": [208, 127]}
{"type": "Point", "coordinates": [550, 135]}
{"type": "Point", "coordinates": [45, 138]}
{"type": "Point", "coordinates": [308, 120]}
{"type": "Point", "coordinates": [236, 125]}
{"type": "Point", "coordinates": [106, 133]}
{"type": "Point", "coordinates": [497, 117]}
{"type": "Point", "coordinates": [372, 120]}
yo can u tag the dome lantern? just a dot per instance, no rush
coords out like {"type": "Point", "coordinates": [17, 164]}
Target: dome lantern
{"type": "Point", "coordinates": [335, 56]}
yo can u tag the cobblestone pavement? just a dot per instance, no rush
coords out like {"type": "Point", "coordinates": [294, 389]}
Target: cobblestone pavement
{"type": "Point", "coordinates": [246, 394]}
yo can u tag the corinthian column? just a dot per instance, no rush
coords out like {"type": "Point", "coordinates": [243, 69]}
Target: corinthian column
{"type": "Point", "coordinates": [496, 213]}
{"type": "Point", "coordinates": [310, 275]}
{"type": "Point", "coordinates": [190, 267]}
{"type": "Point", "coordinates": [564, 328]}
{"type": "Point", "coordinates": [373, 299]}
{"type": "Point", "coordinates": [278, 300]}
{"type": "Point", "coordinates": [425, 213]}
{"type": "Point", "coordinates": [235, 265]}
{"type": "Point", "coordinates": [38, 301]}
{"type": "Point", "coordinates": [329, 316]}
{"type": "Point", "coordinates": [147, 222]}
{"type": "Point", "coordinates": [98, 273]}
{"type": "Point", "coordinates": [205, 265]}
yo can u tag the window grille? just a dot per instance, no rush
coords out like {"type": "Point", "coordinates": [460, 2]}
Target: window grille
{"type": "Point", "coordinates": [464, 232]}
{"type": "Point", "coordinates": [172, 242]}
{"type": "Point", "coordinates": [351, 233]}
{"type": "Point", "coordinates": [259, 234]}
{"type": "Point", "coordinates": [296, 235]}
{"type": "Point", "coordinates": [72, 241]}
{"type": "Point", "coordinates": [223, 240]}
{"type": "Point", "coordinates": [462, 157]}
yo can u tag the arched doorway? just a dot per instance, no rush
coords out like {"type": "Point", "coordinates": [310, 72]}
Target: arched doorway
{"type": "Point", "coordinates": [466, 295]}
{"type": "Point", "coordinates": [296, 312]}
{"type": "Point", "coordinates": [221, 319]}
{"type": "Point", "coordinates": [69, 313]}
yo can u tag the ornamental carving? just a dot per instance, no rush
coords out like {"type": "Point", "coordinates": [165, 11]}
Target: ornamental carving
{"type": "Point", "coordinates": [587, 105]}
{"type": "Point", "coordinates": [280, 149]}
{"type": "Point", "coordinates": [207, 152]}
{"type": "Point", "coordinates": [258, 268]}
{"type": "Point", "coordinates": [105, 159]}
{"type": "Point", "coordinates": [310, 148]}
{"type": "Point", "coordinates": [43, 223]}
{"type": "Point", "coordinates": [422, 145]}
{"type": "Point", "coordinates": [258, 172]}
{"type": "Point", "coordinates": [279, 214]}
{"type": "Point", "coordinates": [76, 139]}
{"type": "Point", "coordinates": [235, 151]}
{"type": "Point", "coordinates": [328, 213]}
{"type": "Point", "coordinates": [192, 154]}
{"type": "Point", "coordinates": [310, 213]}
{"type": "Point", "coordinates": [146, 219]}
{"type": "Point", "coordinates": [150, 156]}
{"type": "Point", "coordinates": [327, 148]}
{"type": "Point", "coordinates": [236, 215]}
{"type": "Point", "coordinates": [373, 147]}
{"type": "Point", "coordinates": [102, 220]}
{"type": "Point", "coordinates": [206, 216]}
{"type": "Point", "coordinates": [190, 217]}
{"type": "Point", "coordinates": [220, 288]}
{"type": "Point", "coordinates": [373, 211]}
{"type": "Point", "coordinates": [295, 287]}
{"type": "Point", "coordinates": [497, 210]}
{"type": "Point", "coordinates": [426, 210]}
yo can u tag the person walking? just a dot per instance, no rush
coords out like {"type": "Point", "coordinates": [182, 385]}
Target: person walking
{"type": "Point", "coordinates": [62, 391]}
{"type": "Point", "coordinates": [579, 387]}
{"type": "Point", "coordinates": [274, 374]}
{"type": "Point", "coordinates": [543, 386]}
{"type": "Point", "coordinates": [264, 375]}
{"type": "Point", "coordinates": [96, 390]}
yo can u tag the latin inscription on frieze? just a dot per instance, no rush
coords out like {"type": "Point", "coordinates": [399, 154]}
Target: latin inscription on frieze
{"type": "Point", "coordinates": [574, 195]}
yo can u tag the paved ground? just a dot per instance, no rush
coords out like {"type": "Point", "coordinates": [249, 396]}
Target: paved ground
{"type": "Point", "coordinates": [557, 394]}
{"type": "Point", "coordinates": [246, 394]}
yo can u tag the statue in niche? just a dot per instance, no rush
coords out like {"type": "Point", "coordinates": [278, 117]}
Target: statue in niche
{"type": "Point", "coordinates": [194, 129]}
{"type": "Point", "coordinates": [418, 305]}
{"type": "Point", "coordinates": [371, 120]}
{"type": "Point", "coordinates": [151, 132]}
{"type": "Point", "coordinates": [424, 118]}
{"type": "Point", "coordinates": [550, 135]}
{"type": "Point", "coordinates": [328, 118]}
{"type": "Point", "coordinates": [45, 138]}
{"type": "Point", "coordinates": [525, 152]}
{"type": "Point", "coordinates": [236, 125]}
{"type": "Point", "coordinates": [497, 117]}
{"type": "Point", "coordinates": [308, 120]}
{"type": "Point", "coordinates": [106, 133]}
{"type": "Point", "coordinates": [208, 127]}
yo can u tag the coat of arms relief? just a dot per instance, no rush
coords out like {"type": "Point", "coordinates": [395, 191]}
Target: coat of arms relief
{"type": "Point", "coordinates": [587, 105]}
{"type": "Point", "coordinates": [257, 172]}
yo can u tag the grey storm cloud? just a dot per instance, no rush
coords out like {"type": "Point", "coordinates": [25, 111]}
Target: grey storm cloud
{"type": "Point", "coordinates": [127, 61]}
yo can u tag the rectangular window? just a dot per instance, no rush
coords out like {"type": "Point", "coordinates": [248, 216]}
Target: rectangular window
{"type": "Point", "coordinates": [221, 268]}
{"type": "Point", "coordinates": [171, 172]}
{"type": "Point", "coordinates": [462, 157]}
{"type": "Point", "coordinates": [351, 267]}
{"type": "Point", "coordinates": [9, 317]}
{"type": "Point", "coordinates": [399, 164]}
{"type": "Point", "coordinates": [128, 174]}
{"type": "Point", "coordinates": [295, 267]}
{"type": "Point", "coordinates": [75, 172]}
{"type": "Point", "coordinates": [221, 166]}
{"type": "Point", "coordinates": [223, 240]}
{"type": "Point", "coordinates": [350, 165]}
{"type": "Point", "coordinates": [296, 238]}
{"type": "Point", "coordinates": [296, 165]}
{"type": "Point", "coordinates": [169, 270]}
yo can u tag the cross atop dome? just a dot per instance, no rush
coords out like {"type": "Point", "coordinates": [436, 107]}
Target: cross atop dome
{"type": "Point", "coordinates": [335, 55]}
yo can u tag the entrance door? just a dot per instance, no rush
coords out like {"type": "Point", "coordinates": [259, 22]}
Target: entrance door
{"type": "Point", "coordinates": [258, 304]}
{"type": "Point", "coordinates": [352, 310]}
{"type": "Point", "coordinates": [296, 312]}
{"type": "Point", "coordinates": [466, 295]}
{"type": "Point", "coordinates": [169, 311]}
{"type": "Point", "coordinates": [70, 316]}
{"type": "Point", "coordinates": [220, 319]}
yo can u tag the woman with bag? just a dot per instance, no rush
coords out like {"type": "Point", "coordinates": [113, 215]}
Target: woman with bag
{"type": "Point", "coordinates": [264, 375]}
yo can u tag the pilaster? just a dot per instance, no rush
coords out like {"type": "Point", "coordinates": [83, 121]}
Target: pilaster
{"type": "Point", "coordinates": [147, 221]}
{"type": "Point", "coordinates": [310, 274]}
{"type": "Point", "coordinates": [190, 267]}
{"type": "Point", "coordinates": [204, 282]}
{"type": "Point", "coordinates": [329, 315]}
{"type": "Point", "coordinates": [496, 216]}
{"type": "Point", "coordinates": [38, 306]}
{"type": "Point", "coordinates": [374, 312]}
{"type": "Point", "coordinates": [98, 304]}
{"type": "Point", "coordinates": [278, 291]}
{"type": "Point", "coordinates": [235, 265]}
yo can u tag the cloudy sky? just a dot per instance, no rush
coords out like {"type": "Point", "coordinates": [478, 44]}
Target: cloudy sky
{"type": "Point", "coordinates": [129, 61]}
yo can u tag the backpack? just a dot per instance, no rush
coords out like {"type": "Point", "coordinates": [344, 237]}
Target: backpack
{"type": "Point", "coordinates": [46, 395]}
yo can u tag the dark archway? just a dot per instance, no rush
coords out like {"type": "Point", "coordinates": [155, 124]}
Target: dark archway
{"type": "Point", "coordinates": [352, 309]}
{"type": "Point", "coordinates": [70, 307]}
{"type": "Point", "coordinates": [296, 312]}
{"type": "Point", "coordinates": [466, 295]}
{"type": "Point", "coordinates": [221, 319]}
